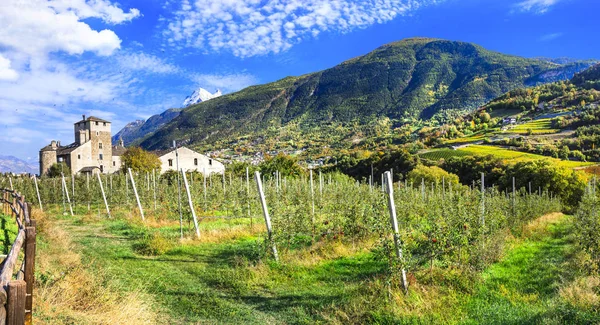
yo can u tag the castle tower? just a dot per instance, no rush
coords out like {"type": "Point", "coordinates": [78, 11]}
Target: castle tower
{"type": "Point", "coordinates": [98, 132]}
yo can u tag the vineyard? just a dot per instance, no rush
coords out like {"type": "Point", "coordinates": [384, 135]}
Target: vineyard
{"type": "Point", "coordinates": [516, 156]}
{"type": "Point", "coordinates": [541, 126]}
{"type": "Point", "coordinates": [317, 221]}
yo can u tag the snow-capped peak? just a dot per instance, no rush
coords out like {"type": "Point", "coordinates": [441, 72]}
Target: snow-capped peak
{"type": "Point", "coordinates": [200, 95]}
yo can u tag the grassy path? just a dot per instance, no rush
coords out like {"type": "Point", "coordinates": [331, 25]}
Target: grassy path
{"type": "Point", "coordinates": [217, 283]}
{"type": "Point", "coordinates": [523, 288]}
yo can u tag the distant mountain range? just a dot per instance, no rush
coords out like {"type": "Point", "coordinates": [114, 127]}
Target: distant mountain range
{"type": "Point", "coordinates": [417, 78]}
{"type": "Point", "coordinates": [10, 164]}
{"type": "Point", "coordinates": [139, 129]}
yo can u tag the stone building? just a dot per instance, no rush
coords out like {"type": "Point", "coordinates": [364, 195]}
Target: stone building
{"type": "Point", "coordinates": [189, 160]}
{"type": "Point", "coordinates": [91, 152]}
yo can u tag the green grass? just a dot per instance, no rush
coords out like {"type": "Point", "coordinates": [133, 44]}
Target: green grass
{"type": "Point", "coordinates": [523, 288]}
{"type": "Point", "coordinates": [541, 126]}
{"type": "Point", "coordinates": [517, 156]}
{"type": "Point", "coordinates": [8, 232]}
{"type": "Point", "coordinates": [228, 282]}
{"type": "Point", "coordinates": [445, 153]}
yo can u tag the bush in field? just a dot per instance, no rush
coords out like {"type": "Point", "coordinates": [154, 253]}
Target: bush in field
{"type": "Point", "coordinates": [139, 160]}
{"type": "Point", "coordinates": [431, 175]}
{"type": "Point", "coordinates": [587, 228]}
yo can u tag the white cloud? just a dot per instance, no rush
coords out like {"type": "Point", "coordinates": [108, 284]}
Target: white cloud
{"type": "Point", "coordinates": [6, 73]}
{"type": "Point", "coordinates": [146, 62]}
{"type": "Point", "coordinates": [258, 27]}
{"type": "Point", "coordinates": [35, 28]}
{"type": "Point", "coordinates": [536, 6]}
{"type": "Point", "coordinates": [550, 37]}
{"type": "Point", "coordinates": [225, 82]}
{"type": "Point", "coordinates": [108, 12]}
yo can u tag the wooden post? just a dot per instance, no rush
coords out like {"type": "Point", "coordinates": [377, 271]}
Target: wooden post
{"type": "Point", "coordinates": [394, 221]}
{"type": "Point", "coordinates": [187, 190]}
{"type": "Point", "coordinates": [67, 193]}
{"type": "Point", "coordinates": [11, 184]}
{"type": "Point", "coordinates": [15, 305]}
{"type": "Point", "coordinates": [87, 182]}
{"type": "Point", "coordinates": [137, 198]}
{"type": "Point", "coordinates": [514, 205]}
{"type": "Point", "coordinates": [30, 247]}
{"type": "Point", "coordinates": [37, 190]}
{"type": "Point", "coordinates": [103, 195]}
{"type": "Point", "coordinates": [263, 203]}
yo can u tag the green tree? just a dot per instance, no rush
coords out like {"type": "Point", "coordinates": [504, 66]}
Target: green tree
{"type": "Point", "coordinates": [433, 174]}
{"type": "Point", "coordinates": [139, 160]}
{"type": "Point", "coordinates": [58, 168]}
{"type": "Point", "coordinates": [284, 164]}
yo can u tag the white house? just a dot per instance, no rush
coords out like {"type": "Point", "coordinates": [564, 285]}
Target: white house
{"type": "Point", "coordinates": [189, 160]}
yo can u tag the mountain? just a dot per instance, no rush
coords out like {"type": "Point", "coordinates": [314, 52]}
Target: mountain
{"type": "Point", "coordinates": [139, 129]}
{"type": "Point", "coordinates": [199, 96]}
{"type": "Point", "coordinates": [589, 78]}
{"type": "Point", "coordinates": [416, 78]}
{"type": "Point", "coordinates": [10, 164]}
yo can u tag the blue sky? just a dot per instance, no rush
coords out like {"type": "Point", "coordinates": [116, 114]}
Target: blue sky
{"type": "Point", "coordinates": [129, 59]}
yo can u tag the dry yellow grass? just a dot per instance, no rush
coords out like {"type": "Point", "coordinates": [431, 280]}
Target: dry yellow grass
{"type": "Point", "coordinates": [73, 293]}
{"type": "Point", "coordinates": [582, 293]}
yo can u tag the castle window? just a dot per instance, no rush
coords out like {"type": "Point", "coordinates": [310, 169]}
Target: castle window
{"type": "Point", "coordinates": [170, 162]}
{"type": "Point", "coordinates": [100, 157]}
{"type": "Point", "coordinates": [78, 156]}
{"type": "Point", "coordinates": [210, 162]}
{"type": "Point", "coordinates": [195, 161]}
{"type": "Point", "coordinates": [104, 123]}
{"type": "Point", "coordinates": [100, 145]}
{"type": "Point", "coordinates": [101, 169]}
{"type": "Point", "coordinates": [60, 159]}
{"type": "Point", "coordinates": [96, 123]}
{"type": "Point", "coordinates": [97, 133]}
{"type": "Point", "coordinates": [114, 163]}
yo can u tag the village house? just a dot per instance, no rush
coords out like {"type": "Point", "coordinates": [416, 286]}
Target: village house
{"type": "Point", "coordinates": [189, 160]}
{"type": "Point", "coordinates": [92, 151]}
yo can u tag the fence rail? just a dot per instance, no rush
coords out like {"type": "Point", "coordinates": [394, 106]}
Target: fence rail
{"type": "Point", "coordinates": [16, 300]}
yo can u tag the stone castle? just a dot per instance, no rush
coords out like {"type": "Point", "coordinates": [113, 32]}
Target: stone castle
{"type": "Point", "coordinates": [92, 151]}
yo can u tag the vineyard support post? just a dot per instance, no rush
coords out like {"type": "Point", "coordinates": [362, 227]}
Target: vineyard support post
{"type": "Point", "coordinates": [154, 187]}
{"type": "Point", "coordinates": [37, 191]}
{"type": "Point", "coordinates": [483, 199]}
{"type": "Point", "coordinates": [178, 191]}
{"type": "Point", "coordinates": [187, 190]}
{"type": "Point", "coordinates": [67, 193]}
{"type": "Point", "coordinates": [248, 194]}
{"type": "Point", "coordinates": [312, 199]}
{"type": "Point", "coordinates": [103, 195]}
{"type": "Point", "coordinates": [73, 188]}
{"type": "Point", "coordinates": [11, 184]}
{"type": "Point", "coordinates": [137, 198]}
{"type": "Point", "coordinates": [394, 221]}
{"type": "Point", "coordinates": [30, 247]}
{"type": "Point", "coordinates": [205, 202]}
{"type": "Point", "coordinates": [263, 203]}
{"type": "Point", "coordinates": [514, 205]}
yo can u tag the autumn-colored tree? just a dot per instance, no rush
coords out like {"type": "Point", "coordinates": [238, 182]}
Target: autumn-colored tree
{"type": "Point", "coordinates": [139, 160]}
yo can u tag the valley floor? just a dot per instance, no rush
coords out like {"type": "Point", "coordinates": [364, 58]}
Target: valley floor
{"type": "Point", "coordinates": [91, 272]}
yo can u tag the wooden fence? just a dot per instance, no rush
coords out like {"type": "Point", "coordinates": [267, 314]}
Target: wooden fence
{"type": "Point", "coordinates": [16, 300]}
